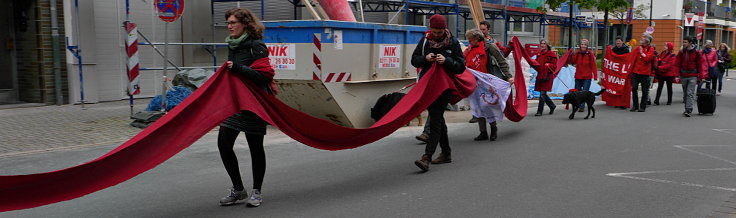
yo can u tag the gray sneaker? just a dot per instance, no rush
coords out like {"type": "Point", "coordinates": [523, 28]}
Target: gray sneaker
{"type": "Point", "coordinates": [255, 199]}
{"type": "Point", "coordinates": [233, 197]}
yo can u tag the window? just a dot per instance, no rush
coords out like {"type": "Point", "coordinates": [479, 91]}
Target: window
{"type": "Point", "coordinates": [522, 27]}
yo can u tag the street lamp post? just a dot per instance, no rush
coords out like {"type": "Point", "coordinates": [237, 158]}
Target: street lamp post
{"type": "Point", "coordinates": [651, 8]}
{"type": "Point", "coordinates": [569, 31]}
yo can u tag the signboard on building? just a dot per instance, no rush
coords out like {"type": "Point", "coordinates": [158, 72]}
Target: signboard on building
{"type": "Point", "coordinates": [283, 56]}
{"type": "Point", "coordinates": [390, 56]}
{"type": "Point", "coordinates": [580, 18]}
{"type": "Point", "coordinates": [689, 19]}
{"type": "Point", "coordinates": [169, 10]}
{"type": "Point", "coordinates": [700, 25]}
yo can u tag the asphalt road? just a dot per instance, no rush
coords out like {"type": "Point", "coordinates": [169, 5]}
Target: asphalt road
{"type": "Point", "coordinates": [620, 164]}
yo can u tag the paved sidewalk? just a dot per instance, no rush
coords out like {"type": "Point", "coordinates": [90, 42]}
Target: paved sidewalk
{"type": "Point", "coordinates": [40, 128]}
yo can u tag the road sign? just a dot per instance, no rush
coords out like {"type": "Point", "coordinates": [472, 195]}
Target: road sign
{"type": "Point", "coordinates": [169, 10]}
{"type": "Point", "coordinates": [689, 21]}
{"type": "Point", "coordinates": [589, 20]}
{"type": "Point", "coordinates": [580, 18]}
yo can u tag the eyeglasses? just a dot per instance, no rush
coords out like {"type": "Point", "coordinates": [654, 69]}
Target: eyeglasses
{"type": "Point", "coordinates": [232, 22]}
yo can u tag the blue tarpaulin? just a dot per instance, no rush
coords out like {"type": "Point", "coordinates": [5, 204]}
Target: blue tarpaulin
{"type": "Point", "coordinates": [562, 84]}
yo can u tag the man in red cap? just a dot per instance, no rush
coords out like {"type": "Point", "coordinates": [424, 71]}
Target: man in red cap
{"type": "Point", "coordinates": [440, 47]}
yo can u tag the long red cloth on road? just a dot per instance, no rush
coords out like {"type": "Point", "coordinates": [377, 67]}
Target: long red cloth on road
{"type": "Point", "coordinates": [220, 97]}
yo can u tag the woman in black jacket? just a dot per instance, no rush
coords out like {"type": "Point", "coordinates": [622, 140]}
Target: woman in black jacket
{"type": "Point", "coordinates": [244, 47]}
{"type": "Point", "coordinates": [724, 62]}
{"type": "Point", "coordinates": [441, 47]}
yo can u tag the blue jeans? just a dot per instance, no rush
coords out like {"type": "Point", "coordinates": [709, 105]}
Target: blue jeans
{"type": "Point", "coordinates": [720, 81]}
{"type": "Point", "coordinates": [582, 85]}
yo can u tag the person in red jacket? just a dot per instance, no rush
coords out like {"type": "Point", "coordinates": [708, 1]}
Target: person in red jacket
{"type": "Point", "coordinates": [710, 58]}
{"type": "Point", "coordinates": [686, 64]}
{"type": "Point", "coordinates": [642, 70]}
{"type": "Point", "coordinates": [547, 60]}
{"type": "Point", "coordinates": [586, 68]}
{"type": "Point", "coordinates": [665, 72]}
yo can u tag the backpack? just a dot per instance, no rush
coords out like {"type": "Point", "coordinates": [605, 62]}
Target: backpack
{"type": "Point", "coordinates": [384, 104]}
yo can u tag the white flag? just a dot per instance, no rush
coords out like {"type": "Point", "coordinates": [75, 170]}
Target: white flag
{"type": "Point", "coordinates": [489, 99]}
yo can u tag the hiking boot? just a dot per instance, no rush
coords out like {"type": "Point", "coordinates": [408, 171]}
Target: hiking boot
{"type": "Point", "coordinates": [233, 197]}
{"type": "Point", "coordinates": [423, 137]}
{"type": "Point", "coordinates": [494, 133]}
{"type": "Point", "coordinates": [642, 109]}
{"type": "Point", "coordinates": [656, 102]}
{"type": "Point", "coordinates": [423, 163]}
{"type": "Point", "coordinates": [443, 158]}
{"type": "Point", "coordinates": [634, 109]}
{"type": "Point", "coordinates": [538, 114]}
{"type": "Point", "coordinates": [481, 137]}
{"type": "Point", "coordinates": [552, 110]}
{"type": "Point", "coordinates": [473, 120]}
{"type": "Point", "coordinates": [255, 199]}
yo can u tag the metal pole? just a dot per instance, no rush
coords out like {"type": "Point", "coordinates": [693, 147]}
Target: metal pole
{"type": "Point", "coordinates": [457, 20]}
{"type": "Point", "coordinates": [166, 61]}
{"type": "Point", "coordinates": [651, 8]}
{"type": "Point", "coordinates": [127, 19]}
{"type": "Point", "coordinates": [79, 55]}
{"type": "Point", "coordinates": [57, 60]}
{"type": "Point", "coordinates": [406, 12]}
{"type": "Point", "coordinates": [214, 48]}
{"type": "Point", "coordinates": [569, 30]}
{"type": "Point", "coordinates": [362, 17]}
{"type": "Point", "coordinates": [505, 24]}
{"type": "Point", "coordinates": [263, 10]}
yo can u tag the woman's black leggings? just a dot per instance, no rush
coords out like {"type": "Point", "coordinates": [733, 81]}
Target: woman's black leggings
{"type": "Point", "coordinates": [660, 85]}
{"type": "Point", "coordinates": [226, 142]}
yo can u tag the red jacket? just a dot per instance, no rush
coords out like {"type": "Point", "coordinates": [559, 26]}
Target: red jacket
{"type": "Point", "coordinates": [546, 72]}
{"type": "Point", "coordinates": [643, 64]}
{"type": "Point", "coordinates": [686, 64]}
{"type": "Point", "coordinates": [585, 66]}
{"type": "Point", "coordinates": [666, 64]}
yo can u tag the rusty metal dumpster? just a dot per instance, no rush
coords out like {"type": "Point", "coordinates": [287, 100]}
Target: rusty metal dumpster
{"type": "Point", "coordinates": [336, 70]}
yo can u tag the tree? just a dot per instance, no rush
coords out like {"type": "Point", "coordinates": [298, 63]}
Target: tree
{"type": "Point", "coordinates": [607, 6]}
{"type": "Point", "coordinates": [621, 13]}
{"type": "Point", "coordinates": [554, 4]}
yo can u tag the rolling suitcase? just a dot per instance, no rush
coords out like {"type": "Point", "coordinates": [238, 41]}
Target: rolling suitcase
{"type": "Point", "coordinates": [706, 101]}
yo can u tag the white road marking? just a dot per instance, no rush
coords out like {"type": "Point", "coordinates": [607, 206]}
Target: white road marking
{"type": "Point", "coordinates": [629, 175]}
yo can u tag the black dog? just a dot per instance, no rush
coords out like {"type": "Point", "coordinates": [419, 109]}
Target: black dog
{"type": "Point", "coordinates": [577, 97]}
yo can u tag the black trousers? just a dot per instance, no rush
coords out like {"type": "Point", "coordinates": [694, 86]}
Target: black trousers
{"type": "Point", "coordinates": [637, 79]}
{"type": "Point", "coordinates": [661, 81]}
{"type": "Point", "coordinates": [544, 99]}
{"type": "Point", "coordinates": [225, 143]}
{"type": "Point", "coordinates": [437, 126]}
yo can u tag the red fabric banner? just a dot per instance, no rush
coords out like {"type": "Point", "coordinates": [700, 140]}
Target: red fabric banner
{"type": "Point", "coordinates": [220, 97]}
{"type": "Point", "coordinates": [516, 106]}
{"type": "Point", "coordinates": [616, 74]}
